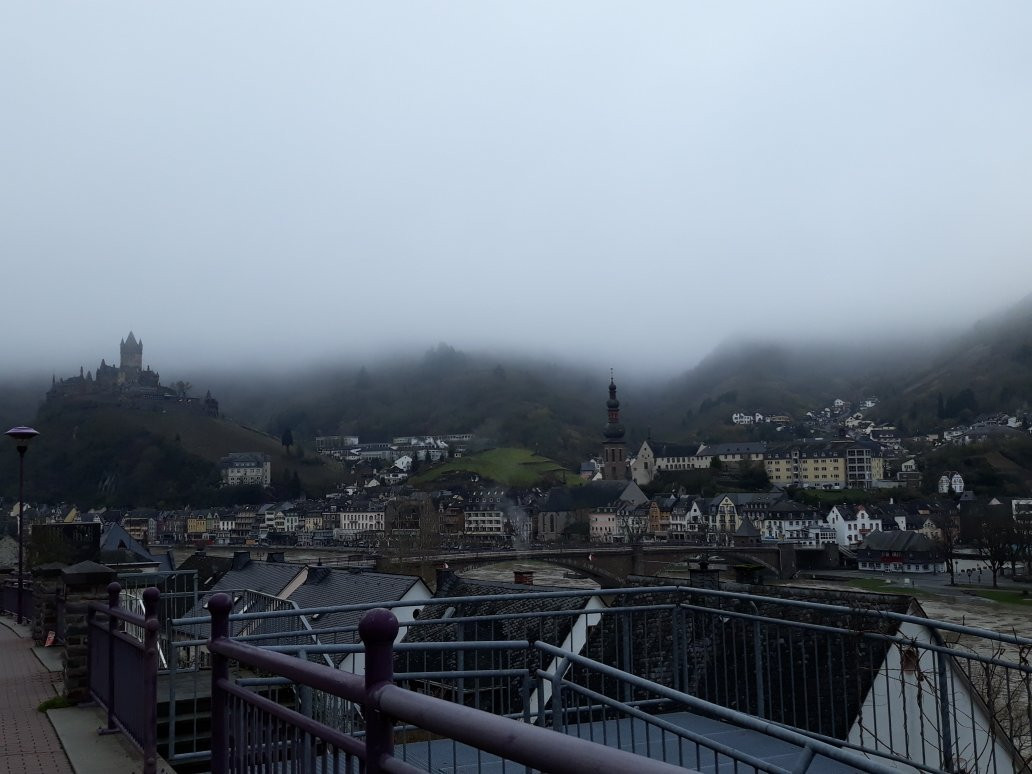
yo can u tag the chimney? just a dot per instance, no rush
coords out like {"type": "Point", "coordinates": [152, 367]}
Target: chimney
{"type": "Point", "coordinates": [275, 557]}
{"type": "Point", "coordinates": [317, 574]}
{"type": "Point", "coordinates": [444, 577]}
{"type": "Point", "coordinates": [523, 577]}
{"type": "Point", "coordinates": [241, 559]}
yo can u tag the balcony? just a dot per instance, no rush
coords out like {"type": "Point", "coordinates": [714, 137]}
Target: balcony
{"type": "Point", "coordinates": [648, 679]}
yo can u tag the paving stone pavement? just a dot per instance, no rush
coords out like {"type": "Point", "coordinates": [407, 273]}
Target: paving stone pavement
{"type": "Point", "coordinates": [28, 741]}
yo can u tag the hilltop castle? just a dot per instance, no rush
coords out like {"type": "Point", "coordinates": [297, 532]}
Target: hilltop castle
{"type": "Point", "coordinates": [127, 383]}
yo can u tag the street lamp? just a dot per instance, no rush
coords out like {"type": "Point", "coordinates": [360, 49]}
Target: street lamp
{"type": "Point", "coordinates": [21, 437]}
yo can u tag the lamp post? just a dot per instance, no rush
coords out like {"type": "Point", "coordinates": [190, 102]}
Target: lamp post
{"type": "Point", "coordinates": [21, 437]}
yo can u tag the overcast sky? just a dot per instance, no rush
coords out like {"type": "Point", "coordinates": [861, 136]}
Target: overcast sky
{"type": "Point", "coordinates": [631, 182]}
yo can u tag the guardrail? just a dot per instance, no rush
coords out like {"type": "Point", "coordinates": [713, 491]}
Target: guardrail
{"type": "Point", "coordinates": [881, 682]}
{"type": "Point", "coordinates": [9, 598]}
{"type": "Point", "coordinates": [123, 668]}
{"type": "Point", "coordinates": [251, 733]}
{"type": "Point", "coordinates": [898, 687]}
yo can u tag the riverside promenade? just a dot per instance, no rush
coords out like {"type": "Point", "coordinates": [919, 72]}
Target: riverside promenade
{"type": "Point", "coordinates": [28, 742]}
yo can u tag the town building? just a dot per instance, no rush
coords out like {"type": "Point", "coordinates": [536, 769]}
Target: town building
{"type": "Point", "coordinates": [852, 523]}
{"type": "Point", "coordinates": [566, 511]}
{"type": "Point", "coordinates": [838, 464]}
{"type": "Point", "coordinates": [899, 551]}
{"type": "Point", "coordinates": [246, 469]}
{"type": "Point", "coordinates": [656, 457]}
{"type": "Point", "coordinates": [728, 453]}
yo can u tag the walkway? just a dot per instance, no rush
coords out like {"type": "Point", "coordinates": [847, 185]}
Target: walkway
{"type": "Point", "coordinates": [28, 742]}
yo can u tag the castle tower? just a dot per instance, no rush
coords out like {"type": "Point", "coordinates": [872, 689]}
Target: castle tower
{"type": "Point", "coordinates": [614, 449]}
{"type": "Point", "coordinates": [132, 359]}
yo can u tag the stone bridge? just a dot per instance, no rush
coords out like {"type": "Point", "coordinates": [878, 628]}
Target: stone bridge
{"type": "Point", "coordinates": [608, 566]}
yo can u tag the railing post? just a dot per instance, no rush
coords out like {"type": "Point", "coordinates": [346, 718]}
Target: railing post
{"type": "Point", "coordinates": [679, 645]}
{"type": "Point", "coordinates": [758, 668]}
{"type": "Point", "coordinates": [945, 715]}
{"type": "Point", "coordinates": [113, 590]}
{"type": "Point", "coordinates": [305, 700]}
{"type": "Point", "coordinates": [758, 662]}
{"type": "Point", "coordinates": [378, 628]}
{"type": "Point", "coordinates": [219, 606]}
{"type": "Point", "coordinates": [150, 679]}
{"type": "Point", "coordinates": [558, 715]}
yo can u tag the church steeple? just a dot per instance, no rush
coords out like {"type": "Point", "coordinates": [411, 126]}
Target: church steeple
{"type": "Point", "coordinates": [614, 450]}
{"type": "Point", "coordinates": [614, 430]}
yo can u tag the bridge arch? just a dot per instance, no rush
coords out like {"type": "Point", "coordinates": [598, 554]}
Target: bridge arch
{"type": "Point", "coordinates": [602, 576]}
{"type": "Point", "coordinates": [654, 562]}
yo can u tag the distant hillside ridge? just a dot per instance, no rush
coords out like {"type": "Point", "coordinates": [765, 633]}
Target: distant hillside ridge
{"type": "Point", "coordinates": [100, 454]}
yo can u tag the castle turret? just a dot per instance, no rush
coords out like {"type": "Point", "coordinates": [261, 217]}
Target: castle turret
{"type": "Point", "coordinates": [614, 449]}
{"type": "Point", "coordinates": [131, 364]}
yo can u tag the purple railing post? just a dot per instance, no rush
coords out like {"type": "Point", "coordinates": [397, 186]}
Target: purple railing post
{"type": "Point", "coordinates": [113, 591]}
{"type": "Point", "coordinates": [378, 628]}
{"type": "Point", "coordinates": [219, 606]}
{"type": "Point", "coordinates": [150, 679]}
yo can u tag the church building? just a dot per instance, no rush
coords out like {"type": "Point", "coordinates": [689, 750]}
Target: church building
{"type": "Point", "coordinates": [614, 449]}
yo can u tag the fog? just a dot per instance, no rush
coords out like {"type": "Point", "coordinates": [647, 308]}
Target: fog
{"type": "Point", "coordinates": [260, 183]}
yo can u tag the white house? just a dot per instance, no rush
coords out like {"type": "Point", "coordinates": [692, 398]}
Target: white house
{"type": "Point", "coordinates": [852, 524]}
{"type": "Point", "coordinates": [485, 523]}
{"type": "Point", "coordinates": [686, 520]}
{"type": "Point", "coordinates": [643, 466]}
{"type": "Point", "coordinates": [603, 526]}
{"type": "Point", "coordinates": [951, 482]}
{"type": "Point", "coordinates": [358, 520]}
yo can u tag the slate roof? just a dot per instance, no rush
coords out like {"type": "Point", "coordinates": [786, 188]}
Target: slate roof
{"type": "Point", "coordinates": [747, 529]}
{"type": "Point", "coordinates": [716, 655]}
{"type": "Point", "coordinates": [498, 695]}
{"type": "Point", "coordinates": [119, 547]}
{"type": "Point", "coordinates": [325, 587]}
{"type": "Point", "coordinates": [751, 498]}
{"type": "Point", "coordinates": [594, 494]}
{"type": "Point", "coordinates": [897, 541]}
{"type": "Point", "coordinates": [785, 507]}
{"type": "Point", "coordinates": [718, 449]}
{"type": "Point", "coordinates": [663, 449]}
{"type": "Point", "coordinates": [209, 568]}
{"type": "Point", "coordinates": [265, 577]}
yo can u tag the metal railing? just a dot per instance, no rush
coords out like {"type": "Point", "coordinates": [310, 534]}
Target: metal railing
{"type": "Point", "coordinates": [184, 683]}
{"type": "Point", "coordinates": [878, 682]}
{"type": "Point", "coordinates": [179, 590]}
{"type": "Point", "coordinates": [881, 682]}
{"type": "Point", "coordinates": [9, 598]}
{"type": "Point", "coordinates": [251, 733]}
{"type": "Point", "coordinates": [122, 662]}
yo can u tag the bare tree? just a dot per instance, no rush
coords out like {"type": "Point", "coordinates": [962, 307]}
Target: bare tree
{"type": "Point", "coordinates": [948, 524]}
{"type": "Point", "coordinates": [994, 538]}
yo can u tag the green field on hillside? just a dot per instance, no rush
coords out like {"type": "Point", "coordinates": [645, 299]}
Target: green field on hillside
{"type": "Point", "coordinates": [509, 467]}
